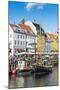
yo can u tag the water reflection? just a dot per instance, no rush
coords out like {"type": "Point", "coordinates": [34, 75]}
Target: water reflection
{"type": "Point", "coordinates": [34, 81]}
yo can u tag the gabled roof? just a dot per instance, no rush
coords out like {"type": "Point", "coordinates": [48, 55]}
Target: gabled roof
{"type": "Point", "coordinates": [52, 36]}
{"type": "Point", "coordinates": [13, 25]}
{"type": "Point", "coordinates": [27, 29]}
{"type": "Point", "coordinates": [23, 26]}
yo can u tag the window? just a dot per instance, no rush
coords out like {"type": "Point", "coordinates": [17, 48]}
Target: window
{"type": "Point", "coordinates": [26, 36]}
{"type": "Point", "coordinates": [15, 50]}
{"type": "Point", "coordinates": [18, 36]}
{"type": "Point", "coordinates": [26, 43]}
{"type": "Point", "coordinates": [15, 42]}
{"type": "Point", "coordinates": [21, 62]}
{"type": "Point", "coordinates": [21, 42]}
{"type": "Point", "coordinates": [18, 42]}
{"type": "Point", "coordinates": [16, 28]}
{"type": "Point", "coordinates": [21, 36]}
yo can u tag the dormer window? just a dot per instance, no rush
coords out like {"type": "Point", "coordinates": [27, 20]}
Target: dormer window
{"type": "Point", "coordinates": [16, 28]}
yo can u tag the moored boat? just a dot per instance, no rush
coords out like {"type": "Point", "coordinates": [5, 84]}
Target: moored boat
{"type": "Point", "coordinates": [41, 69]}
{"type": "Point", "coordinates": [24, 72]}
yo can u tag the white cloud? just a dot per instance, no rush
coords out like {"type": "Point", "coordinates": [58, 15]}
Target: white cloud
{"type": "Point", "coordinates": [40, 7]}
{"type": "Point", "coordinates": [31, 5]}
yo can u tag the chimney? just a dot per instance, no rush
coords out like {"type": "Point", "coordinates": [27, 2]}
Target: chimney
{"type": "Point", "coordinates": [22, 21]}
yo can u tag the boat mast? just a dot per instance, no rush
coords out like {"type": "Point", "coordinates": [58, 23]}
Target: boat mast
{"type": "Point", "coordinates": [40, 46]}
{"type": "Point", "coordinates": [35, 50]}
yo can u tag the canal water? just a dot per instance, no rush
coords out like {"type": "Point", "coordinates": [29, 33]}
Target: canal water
{"type": "Point", "coordinates": [19, 81]}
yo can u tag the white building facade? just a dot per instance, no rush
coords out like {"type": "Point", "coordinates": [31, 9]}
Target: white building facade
{"type": "Point", "coordinates": [20, 38]}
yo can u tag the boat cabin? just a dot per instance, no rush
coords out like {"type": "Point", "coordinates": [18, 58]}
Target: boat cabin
{"type": "Point", "coordinates": [21, 64]}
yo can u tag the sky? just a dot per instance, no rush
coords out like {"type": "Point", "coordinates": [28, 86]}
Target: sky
{"type": "Point", "coordinates": [44, 14]}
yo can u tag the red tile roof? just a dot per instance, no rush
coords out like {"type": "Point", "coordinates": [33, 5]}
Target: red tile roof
{"type": "Point", "coordinates": [52, 37]}
{"type": "Point", "coordinates": [23, 26]}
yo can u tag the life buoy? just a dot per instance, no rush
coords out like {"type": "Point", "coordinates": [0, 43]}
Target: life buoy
{"type": "Point", "coordinates": [14, 71]}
